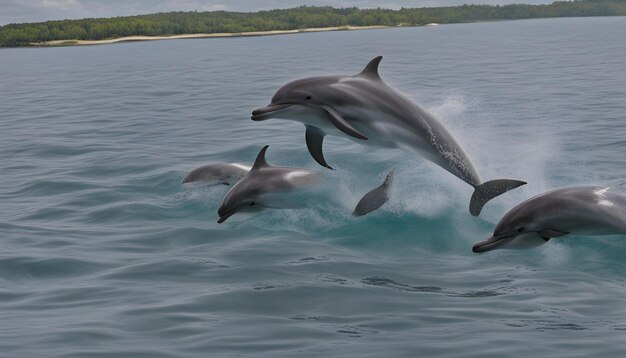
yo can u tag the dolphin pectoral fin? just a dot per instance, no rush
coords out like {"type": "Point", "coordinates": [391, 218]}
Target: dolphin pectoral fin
{"type": "Point", "coordinates": [338, 121]}
{"type": "Point", "coordinates": [314, 140]}
{"type": "Point", "coordinates": [489, 190]}
{"type": "Point", "coordinates": [552, 233]}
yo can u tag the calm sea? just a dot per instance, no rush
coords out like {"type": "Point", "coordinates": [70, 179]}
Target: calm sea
{"type": "Point", "coordinates": [104, 253]}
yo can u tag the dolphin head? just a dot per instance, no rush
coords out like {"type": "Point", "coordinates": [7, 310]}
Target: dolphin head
{"type": "Point", "coordinates": [520, 228]}
{"type": "Point", "coordinates": [240, 197]}
{"type": "Point", "coordinates": [325, 105]}
{"type": "Point", "coordinates": [315, 100]}
{"type": "Point", "coordinates": [300, 100]}
{"type": "Point", "coordinates": [244, 194]}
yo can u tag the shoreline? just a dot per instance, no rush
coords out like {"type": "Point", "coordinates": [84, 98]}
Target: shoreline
{"type": "Point", "coordinates": [56, 43]}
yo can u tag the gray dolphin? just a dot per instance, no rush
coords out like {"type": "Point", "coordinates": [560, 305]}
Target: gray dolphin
{"type": "Point", "coordinates": [368, 111]}
{"type": "Point", "coordinates": [374, 198]}
{"type": "Point", "coordinates": [217, 173]}
{"type": "Point", "coordinates": [585, 210]}
{"type": "Point", "coordinates": [265, 186]}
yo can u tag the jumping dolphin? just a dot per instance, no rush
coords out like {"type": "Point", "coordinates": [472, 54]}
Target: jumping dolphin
{"type": "Point", "coordinates": [368, 111]}
{"type": "Point", "coordinates": [588, 210]}
{"type": "Point", "coordinates": [375, 198]}
{"type": "Point", "coordinates": [217, 173]}
{"type": "Point", "coordinates": [265, 186]}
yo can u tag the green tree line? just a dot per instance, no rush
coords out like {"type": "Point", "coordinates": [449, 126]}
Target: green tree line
{"type": "Point", "coordinates": [174, 23]}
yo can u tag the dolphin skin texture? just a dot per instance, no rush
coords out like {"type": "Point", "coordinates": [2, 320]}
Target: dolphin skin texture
{"type": "Point", "coordinates": [365, 109]}
{"type": "Point", "coordinates": [266, 186]}
{"type": "Point", "coordinates": [585, 210]}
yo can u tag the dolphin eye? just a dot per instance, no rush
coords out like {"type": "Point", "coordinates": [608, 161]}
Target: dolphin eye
{"type": "Point", "coordinates": [308, 97]}
{"type": "Point", "coordinates": [252, 203]}
{"type": "Point", "coordinates": [520, 229]}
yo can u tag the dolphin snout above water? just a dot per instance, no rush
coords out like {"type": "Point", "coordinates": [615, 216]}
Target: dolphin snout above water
{"type": "Point", "coordinates": [263, 113]}
{"type": "Point", "coordinates": [366, 110]}
{"type": "Point", "coordinates": [589, 210]}
{"type": "Point", "coordinates": [224, 214]}
{"type": "Point", "coordinates": [485, 245]}
{"type": "Point", "coordinates": [514, 242]}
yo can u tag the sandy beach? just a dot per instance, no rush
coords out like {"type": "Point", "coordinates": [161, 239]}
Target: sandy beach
{"type": "Point", "coordinates": [197, 36]}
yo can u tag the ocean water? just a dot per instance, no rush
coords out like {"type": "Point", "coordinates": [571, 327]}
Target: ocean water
{"type": "Point", "coordinates": [103, 253]}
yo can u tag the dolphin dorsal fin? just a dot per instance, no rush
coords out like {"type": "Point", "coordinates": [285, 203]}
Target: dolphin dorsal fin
{"type": "Point", "coordinates": [260, 161]}
{"type": "Point", "coordinates": [371, 70]}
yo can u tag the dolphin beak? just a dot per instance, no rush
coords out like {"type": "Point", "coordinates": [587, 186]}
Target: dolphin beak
{"type": "Point", "coordinates": [226, 215]}
{"type": "Point", "coordinates": [488, 245]}
{"type": "Point", "coordinates": [263, 113]}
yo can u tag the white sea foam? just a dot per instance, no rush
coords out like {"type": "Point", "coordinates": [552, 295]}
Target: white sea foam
{"type": "Point", "coordinates": [495, 153]}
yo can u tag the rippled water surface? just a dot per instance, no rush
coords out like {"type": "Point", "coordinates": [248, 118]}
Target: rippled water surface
{"type": "Point", "coordinates": [104, 253]}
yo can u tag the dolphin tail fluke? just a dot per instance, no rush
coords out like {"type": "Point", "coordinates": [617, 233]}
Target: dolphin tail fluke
{"type": "Point", "coordinates": [374, 198]}
{"type": "Point", "coordinates": [489, 190]}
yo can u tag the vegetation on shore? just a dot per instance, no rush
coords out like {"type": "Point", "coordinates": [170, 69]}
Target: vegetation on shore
{"type": "Point", "coordinates": [176, 23]}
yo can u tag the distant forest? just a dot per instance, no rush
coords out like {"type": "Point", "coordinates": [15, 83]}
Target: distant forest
{"type": "Point", "coordinates": [175, 23]}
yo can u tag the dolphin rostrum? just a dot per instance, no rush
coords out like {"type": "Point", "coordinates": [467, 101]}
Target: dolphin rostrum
{"type": "Point", "coordinates": [588, 210]}
{"type": "Point", "coordinates": [217, 173]}
{"type": "Point", "coordinates": [368, 111]}
{"type": "Point", "coordinates": [265, 186]}
{"type": "Point", "coordinates": [374, 198]}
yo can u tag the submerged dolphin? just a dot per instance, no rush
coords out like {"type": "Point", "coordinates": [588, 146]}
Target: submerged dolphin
{"type": "Point", "coordinates": [368, 111]}
{"type": "Point", "coordinates": [217, 173]}
{"type": "Point", "coordinates": [589, 210]}
{"type": "Point", "coordinates": [265, 186]}
{"type": "Point", "coordinates": [374, 198]}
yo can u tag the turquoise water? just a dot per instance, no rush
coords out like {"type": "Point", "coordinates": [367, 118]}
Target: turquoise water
{"type": "Point", "coordinates": [104, 253]}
